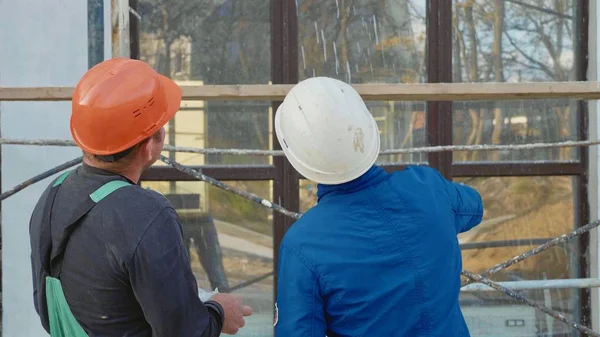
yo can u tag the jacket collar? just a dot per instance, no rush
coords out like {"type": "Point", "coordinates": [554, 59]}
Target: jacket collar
{"type": "Point", "coordinates": [98, 171]}
{"type": "Point", "coordinates": [374, 175]}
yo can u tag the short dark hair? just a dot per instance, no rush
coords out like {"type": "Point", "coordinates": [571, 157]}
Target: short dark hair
{"type": "Point", "coordinates": [111, 158]}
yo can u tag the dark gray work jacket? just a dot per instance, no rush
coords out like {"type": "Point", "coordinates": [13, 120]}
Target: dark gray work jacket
{"type": "Point", "coordinates": [125, 270]}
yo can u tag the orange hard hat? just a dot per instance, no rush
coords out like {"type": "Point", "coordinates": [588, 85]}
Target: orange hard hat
{"type": "Point", "coordinates": [120, 102]}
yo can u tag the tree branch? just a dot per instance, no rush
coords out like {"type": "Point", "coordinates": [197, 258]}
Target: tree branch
{"type": "Point", "coordinates": [541, 9]}
{"type": "Point", "coordinates": [529, 58]}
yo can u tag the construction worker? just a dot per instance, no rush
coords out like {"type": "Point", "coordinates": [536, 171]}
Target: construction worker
{"type": "Point", "coordinates": [378, 255]}
{"type": "Point", "coordinates": [108, 257]}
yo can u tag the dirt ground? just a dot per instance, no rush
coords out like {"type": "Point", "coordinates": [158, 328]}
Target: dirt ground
{"type": "Point", "coordinates": [541, 207]}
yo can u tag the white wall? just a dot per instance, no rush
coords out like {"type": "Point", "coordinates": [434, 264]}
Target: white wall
{"type": "Point", "coordinates": [43, 43]}
{"type": "Point", "coordinates": [594, 159]}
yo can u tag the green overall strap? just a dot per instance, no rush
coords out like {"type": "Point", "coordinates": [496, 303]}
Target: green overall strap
{"type": "Point", "coordinates": [62, 321]}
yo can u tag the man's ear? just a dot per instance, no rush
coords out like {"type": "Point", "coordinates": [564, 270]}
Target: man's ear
{"type": "Point", "coordinates": [147, 148]}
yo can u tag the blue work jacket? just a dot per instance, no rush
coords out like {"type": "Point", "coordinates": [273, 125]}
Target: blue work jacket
{"type": "Point", "coordinates": [377, 256]}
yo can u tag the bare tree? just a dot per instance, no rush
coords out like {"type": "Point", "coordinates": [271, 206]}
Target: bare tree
{"type": "Point", "coordinates": [500, 40]}
{"type": "Point", "coordinates": [498, 70]}
{"type": "Point", "coordinates": [168, 21]}
{"type": "Point", "coordinates": [358, 42]}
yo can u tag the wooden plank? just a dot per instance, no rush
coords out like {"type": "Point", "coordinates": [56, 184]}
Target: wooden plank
{"type": "Point", "coordinates": [36, 94]}
{"type": "Point", "coordinates": [378, 92]}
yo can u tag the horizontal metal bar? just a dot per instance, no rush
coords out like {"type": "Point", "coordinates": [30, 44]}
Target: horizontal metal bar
{"type": "Point", "coordinates": [225, 172]}
{"type": "Point", "coordinates": [377, 92]}
{"type": "Point", "coordinates": [536, 284]}
{"type": "Point", "coordinates": [504, 243]}
{"type": "Point", "coordinates": [517, 169]}
{"type": "Point", "coordinates": [522, 169]}
{"type": "Point", "coordinates": [491, 169]}
{"type": "Point", "coordinates": [259, 152]}
{"type": "Point", "coordinates": [267, 172]}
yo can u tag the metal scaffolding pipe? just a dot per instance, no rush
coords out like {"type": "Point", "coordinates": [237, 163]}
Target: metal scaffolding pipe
{"type": "Point", "coordinates": [536, 284]}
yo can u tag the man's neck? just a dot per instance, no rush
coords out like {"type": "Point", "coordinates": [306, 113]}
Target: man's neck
{"type": "Point", "coordinates": [132, 172]}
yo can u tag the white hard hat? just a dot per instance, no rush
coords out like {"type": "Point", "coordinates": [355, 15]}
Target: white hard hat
{"type": "Point", "coordinates": [326, 131]}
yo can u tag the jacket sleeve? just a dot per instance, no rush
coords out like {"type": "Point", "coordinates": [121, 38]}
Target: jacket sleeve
{"type": "Point", "coordinates": [165, 287]}
{"type": "Point", "coordinates": [466, 203]}
{"type": "Point", "coordinates": [299, 307]}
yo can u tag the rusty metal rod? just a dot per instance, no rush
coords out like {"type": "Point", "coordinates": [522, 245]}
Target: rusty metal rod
{"type": "Point", "coordinates": [250, 282]}
{"type": "Point", "coordinates": [556, 241]}
{"type": "Point", "coordinates": [250, 196]}
{"type": "Point", "coordinates": [256, 152]}
{"type": "Point", "coordinates": [40, 177]}
{"type": "Point", "coordinates": [524, 300]}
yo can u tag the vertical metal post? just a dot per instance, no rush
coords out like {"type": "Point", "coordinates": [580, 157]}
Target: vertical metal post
{"type": "Point", "coordinates": [134, 30]}
{"type": "Point", "coordinates": [439, 70]}
{"type": "Point", "coordinates": [284, 70]}
{"type": "Point", "coordinates": [95, 32]}
{"type": "Point", "coordinates": [277, 77]}
{"type": "Point", "coordinates": [582, 212]}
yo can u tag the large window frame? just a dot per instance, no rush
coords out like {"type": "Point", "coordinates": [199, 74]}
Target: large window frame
{"type": "Point", "coordinates": [284, 70]}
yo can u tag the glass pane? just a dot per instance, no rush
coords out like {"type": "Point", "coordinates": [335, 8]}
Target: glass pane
{"type": "Point", "coordinates": [362, 41]}
{"type": "Point", "coordinates": [521, 208]}
{"type": "Point", "coordinates": [365, 42]}
{"type": "Point", "coordinates": [95, 32]}
{"type": "Point", "coordinates": [221, 125]}
{"type": "Point", "coordinates": [515, 122]}
{"type": "Point", "coordinates": [401, 125]}
{"type": "Point", "coordinates": [215, 42]}
{"type": "Point", "coordinates": [230, 241]}
{"type": "Point", "coordinates": [510, 41]}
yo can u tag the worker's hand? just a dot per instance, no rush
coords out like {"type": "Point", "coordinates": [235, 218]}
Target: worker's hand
{"type": "Point", "coordinates": [234, 310]}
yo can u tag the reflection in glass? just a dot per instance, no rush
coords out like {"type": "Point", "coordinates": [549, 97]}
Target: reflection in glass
{"type": "Point", "coordinates": [230, 240]}
{"type": "Point", "coordinates": [515, 122]}
{"type": "Point", "coordinates": [401, 125]}
{"type": "Point", "coordinates": [365, 42]}
{"type": "Point", "coordinates": [511, 41]}
{"type": "Point", "coordinates": [198, 42]}
{"type": "Point", "coordinates": [521, 208]}
{"type": "Point", "coordinates": [362, 41]}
